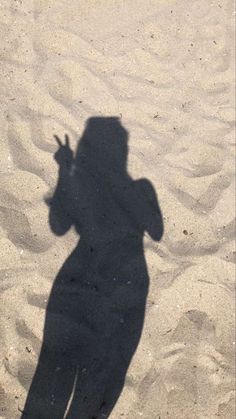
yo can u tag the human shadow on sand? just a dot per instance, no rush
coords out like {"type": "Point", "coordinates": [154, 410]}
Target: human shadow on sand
{"type": "Point", "coordinates": [95, 312]}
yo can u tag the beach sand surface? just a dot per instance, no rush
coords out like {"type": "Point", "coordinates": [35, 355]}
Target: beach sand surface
{"type": "Point", "coordinates": [165, 68]}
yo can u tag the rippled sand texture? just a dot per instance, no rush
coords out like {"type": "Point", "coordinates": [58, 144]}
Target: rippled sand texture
{"type": "Point", "coordinates": [166, 68]}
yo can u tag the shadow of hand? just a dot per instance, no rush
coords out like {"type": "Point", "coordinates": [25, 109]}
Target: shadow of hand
{"type": "Point", "coordinates": [64, 154]}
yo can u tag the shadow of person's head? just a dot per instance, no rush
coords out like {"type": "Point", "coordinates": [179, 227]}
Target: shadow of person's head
{"type": "Point", "coordinates": [104, 145]}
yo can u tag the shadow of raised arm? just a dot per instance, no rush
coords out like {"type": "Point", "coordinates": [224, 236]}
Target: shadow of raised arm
{"type": "Point", "coordinates": [60, 218]}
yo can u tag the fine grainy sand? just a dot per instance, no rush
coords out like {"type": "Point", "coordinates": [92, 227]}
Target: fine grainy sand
{"type": "Point", "coordinates": [165, 68]}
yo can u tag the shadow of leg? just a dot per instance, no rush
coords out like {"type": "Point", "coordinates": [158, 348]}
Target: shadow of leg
{"type": "Point", "coordinates": [51, 387]}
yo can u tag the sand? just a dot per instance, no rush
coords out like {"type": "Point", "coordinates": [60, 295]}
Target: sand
{"type": "Point", "coordinates": [165, 69]}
